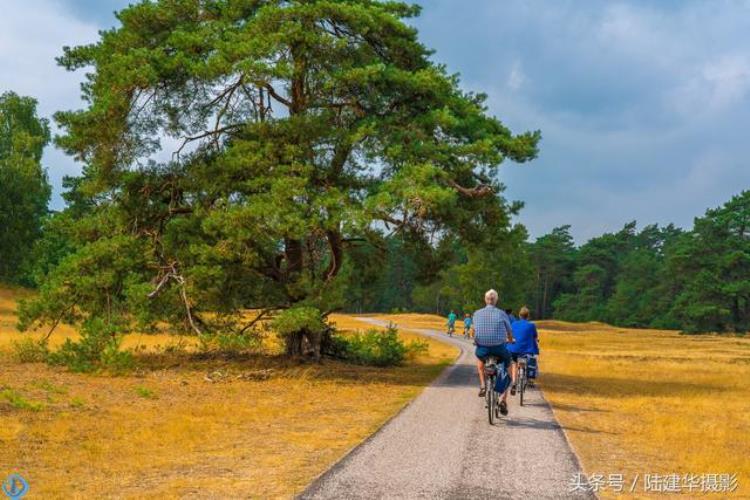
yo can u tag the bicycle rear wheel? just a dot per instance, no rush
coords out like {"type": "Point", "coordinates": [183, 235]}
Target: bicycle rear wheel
{"type": "Point", "coordinates": [490, 396]}
{"type": "Point", "coordinates": [521, 383]}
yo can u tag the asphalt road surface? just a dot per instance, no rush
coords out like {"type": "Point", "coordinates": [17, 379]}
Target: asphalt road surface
{"type": "Point", "coordinates": [442, 446]}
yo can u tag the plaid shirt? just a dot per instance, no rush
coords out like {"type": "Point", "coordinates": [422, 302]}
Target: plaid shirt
{"type": "Point", "coordinates": [491, 326]}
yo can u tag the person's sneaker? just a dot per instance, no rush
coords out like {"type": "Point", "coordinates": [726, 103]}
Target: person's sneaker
{"type": "Point", "coordinates": [513, 390]}
{"type": "Point", "coordinates": [482, 392]}
{"type": "Point", "coordinates": [503, 408]}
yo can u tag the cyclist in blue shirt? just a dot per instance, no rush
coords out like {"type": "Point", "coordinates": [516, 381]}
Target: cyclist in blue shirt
{"type": "Point", "coordinates": [452, 322]}
{"type": "Point", "coordinates": [527, 341]}
{"type": "Point", "coordinates": [467, 325]}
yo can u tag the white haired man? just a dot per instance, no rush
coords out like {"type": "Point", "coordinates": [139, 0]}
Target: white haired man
{"type": "Point", "coordinates": [492, 331]}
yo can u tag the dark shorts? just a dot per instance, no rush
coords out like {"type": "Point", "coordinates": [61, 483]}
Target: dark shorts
{"type": "Point", "coordinates": [483, 352]}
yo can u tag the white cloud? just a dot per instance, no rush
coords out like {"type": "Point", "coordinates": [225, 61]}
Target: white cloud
{"type": "Point", "coordinates": [717, 85]}
{"type": "Point", "coordinates": [516, 78]}
{"type": "Point", "coordinates": [32, 34]}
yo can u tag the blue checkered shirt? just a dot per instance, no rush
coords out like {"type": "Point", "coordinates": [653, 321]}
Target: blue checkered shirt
{"type": "Point", "coordinates": [491, 326]}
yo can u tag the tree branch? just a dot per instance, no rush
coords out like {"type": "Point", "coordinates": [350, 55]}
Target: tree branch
{"type": "Point", "coordinates": [475, 192]}
{"type": "Point", "coordinates": [272, 92]}
{"type": "Point", "coordinates": [262, 314]}
{"type": "Point", "coordinates": [57, 321]}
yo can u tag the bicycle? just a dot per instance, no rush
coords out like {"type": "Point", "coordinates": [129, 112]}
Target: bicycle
{"type": "Point", "coordinates": [451, 330]}
{"type": "Point", "coordinates": [491, 396]}
{"type": "Point", "coordinates": [522, 379]}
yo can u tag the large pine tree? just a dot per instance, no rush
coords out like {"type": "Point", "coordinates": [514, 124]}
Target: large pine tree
{"type": "Point", "coordinates": [236, 148]}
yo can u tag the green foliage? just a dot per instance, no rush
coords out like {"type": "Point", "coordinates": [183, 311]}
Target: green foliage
{"type": "Point", "coordinates": [298, 319]}
{"type": "Point", "coordinates": [377, 348]}
{"type": "Point", "coordinates": [416, 348]}
{"type": "Point", "coordinates": [301, 328]}
{"type": "Point", "coordinates": [29, 350]}
{"type": "Point", "coordinates": [229, 342]}
{"type": "Point", "coordinates": [50, 387]}
{"type": "Point", "coordinates": [57, 241]}
{"type": "Point", "coordinates": [24, 188]}
{"type": "Point", "coordinates": [145, 392]}
{"type": "Point", "coordinates": [309, 127]}
{"type": "Point", "coordinates": [97, 349]}
{"type": "Point", "coordinates": [552, 257]}
{"type": "Point", "coordinates": [697, 281]}
{"type": "Point", "coordinates": [78, 402]}
{"type": "Point", "coordinates": [710, 270]}
{"type": "Point", "coordinates": [19, 402]}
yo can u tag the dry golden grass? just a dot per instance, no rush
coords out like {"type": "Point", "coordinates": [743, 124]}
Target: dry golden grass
{"type": "Point", "coordinates": [649, 401]}
{"type": "Point", "coordinates": [645, 401]}
{"type": "Point", "coordinates": [9, 334]}
{"type": "Point", "coordinates": [168, 432]}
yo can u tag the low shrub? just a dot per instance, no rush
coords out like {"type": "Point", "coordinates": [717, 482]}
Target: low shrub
{"type": "Point", "coordinates": [301, 328]}
{"type": "Point", "coordinates": [416, 348]}
{"type": "Point", "coordinates": [229, 342]}
{"type": "Point", "coordinates": [28, 350]}
{"type": "Point", "coordinates": [98, 348]}
{"type": "Point", "coordinates": [377, 348]}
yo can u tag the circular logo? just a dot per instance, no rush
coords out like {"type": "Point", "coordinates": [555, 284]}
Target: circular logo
{"type": "Point", "coordinates": [15, 486]}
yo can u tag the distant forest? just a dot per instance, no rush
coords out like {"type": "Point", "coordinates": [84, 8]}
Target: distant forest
{"type": "Point", "coordinates": [656, 277]}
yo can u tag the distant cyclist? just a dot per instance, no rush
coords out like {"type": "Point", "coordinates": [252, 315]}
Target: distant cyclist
{"type": "Point", "coordinates": [452, 323]}
{"type": "Point", "coordinates": [467, 325]}
{"type": "Point", "coordinates": [527, 341]}
{"type": "Point", "coordinates": [491, 332]}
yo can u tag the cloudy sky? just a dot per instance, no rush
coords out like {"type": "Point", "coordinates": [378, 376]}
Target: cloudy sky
{"type": "Point", "coordinates": [643, 105]}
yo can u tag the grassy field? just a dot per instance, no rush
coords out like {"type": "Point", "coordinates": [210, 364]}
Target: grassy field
{"type": "Point", "coordinates": [264, 428]}
{"type": "Point", "coordinates": [636, 402]}
{"type": "Point", "coordinates": [632, 402]}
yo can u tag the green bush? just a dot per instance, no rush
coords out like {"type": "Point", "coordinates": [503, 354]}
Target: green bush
{"type": "Point", "coordinates": [416, 347]}
{"type": "Point", "coordinates": [298, 325]}
{"type": "Point", "coordinates": [299, 318]}
{"type": "Point", "coordinates": [98, 348]}
{"type": "Point", "coordinates": [28, 350]}
{"type": "Point", "coordinates": [229, 342]}
{"type": "Point", "coordinates": [376, 348]}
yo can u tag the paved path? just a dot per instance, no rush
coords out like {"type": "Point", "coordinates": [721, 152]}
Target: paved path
{"type": "Point", "coordinates": [442, 446]}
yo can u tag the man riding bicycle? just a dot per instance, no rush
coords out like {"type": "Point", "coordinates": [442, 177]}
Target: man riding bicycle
{"type": "Point", "coordinates": [452, 323]}
{"type": "Point", "coordinates": [527, 342]}
{"type": "Point", "coordinates": [467, 325]}
{"type": "Point", "coordinates": [492, 331]}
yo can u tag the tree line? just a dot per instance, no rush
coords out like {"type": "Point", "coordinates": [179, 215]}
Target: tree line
{"type": "Point", "coordinates": [695, 280]}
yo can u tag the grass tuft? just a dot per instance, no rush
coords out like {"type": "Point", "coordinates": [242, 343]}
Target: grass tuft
{"type": "Point", "coordinates": [145, 392]}
{"type": "Point", "coordinates": [19, 402]}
